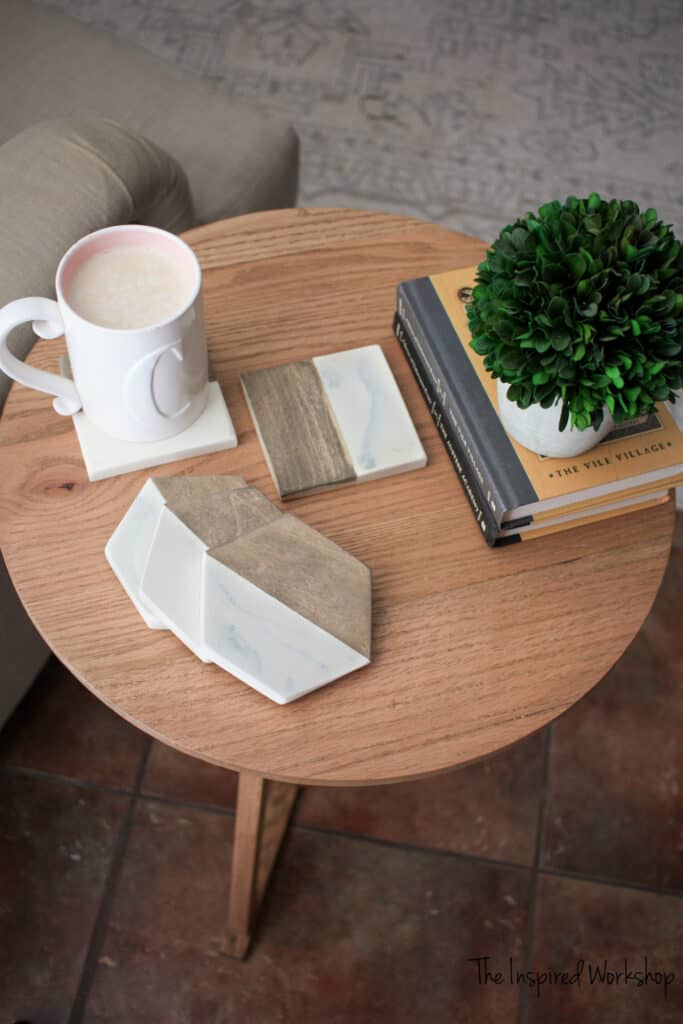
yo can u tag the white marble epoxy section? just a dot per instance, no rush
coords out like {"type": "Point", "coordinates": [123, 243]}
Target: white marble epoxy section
{"type": "Point", "coordinates": [172, 580]}
{"type": "Point", "coordinates": [128, 547]}
{"type": "Point", "coordinates": [372, 417]}
{"type": "Point", "coordinates": [105, 456]}
{"type": "Point", "coordinates": [263, 642]}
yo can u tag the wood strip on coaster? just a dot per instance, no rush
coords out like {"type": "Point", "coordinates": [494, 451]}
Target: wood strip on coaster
{"type": "Point", "coordinates": [214, 507]}
{"type": "Point", "coordinates": [310, 574]}
{"type": "Point", "coordinates": [186, 490]}
{"type": "Point", "coordinates": [298, 435]}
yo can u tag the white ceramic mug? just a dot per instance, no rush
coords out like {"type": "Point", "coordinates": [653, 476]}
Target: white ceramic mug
{"type": "Point", "coordinates": [138, 384]}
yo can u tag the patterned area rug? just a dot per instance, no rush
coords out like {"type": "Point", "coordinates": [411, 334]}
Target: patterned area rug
{"type": "Point", "coordinates": [467, 112]}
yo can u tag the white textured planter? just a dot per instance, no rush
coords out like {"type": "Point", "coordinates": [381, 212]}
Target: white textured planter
{"type": "Point", "coordinates": [538, 429]}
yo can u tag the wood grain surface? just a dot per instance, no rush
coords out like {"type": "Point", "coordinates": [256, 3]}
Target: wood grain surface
{"type": "Point", "coordinates": [473, 648]}
{"type": "Point", "coordinates": [298, 435]}
{"type": "Point", "coordinates": [263, 812]}
{"type": "Point", "coordinates": [206, 505]}
{"type": "Point", "coordinates": [310, 574]}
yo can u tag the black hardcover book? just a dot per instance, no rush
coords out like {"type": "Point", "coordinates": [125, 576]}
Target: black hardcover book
{"type": "Point", "coordinates": [482, 437]}
{"type": "Point", "coordinates": [480, 506]}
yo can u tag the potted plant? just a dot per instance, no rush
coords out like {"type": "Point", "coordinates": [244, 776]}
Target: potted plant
{"type": "Point", "coordinates": [578, 313]}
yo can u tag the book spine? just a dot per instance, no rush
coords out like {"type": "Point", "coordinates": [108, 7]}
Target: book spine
{"type": "Point", "coordinates": [453, 411]}
{"type": "Point", "coordinates": [470, 484]}
{"type": "Point", "coordinates": [466, 399]}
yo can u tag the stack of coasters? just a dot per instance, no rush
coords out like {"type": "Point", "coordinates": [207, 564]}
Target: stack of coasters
{"type": "Point", "coordinates": [242, 585]}
{"type": "Point", "coordinates": [106, 456]}
{"type": "Point", "coordinates": [332, 420]}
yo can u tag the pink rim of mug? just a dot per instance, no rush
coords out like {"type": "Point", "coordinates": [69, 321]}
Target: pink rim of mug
{"type": "Point", "coordinates": [125, 234]}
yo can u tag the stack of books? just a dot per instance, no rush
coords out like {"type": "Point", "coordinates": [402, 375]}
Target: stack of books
{"type": "Point", "coordinates": [516, 495]}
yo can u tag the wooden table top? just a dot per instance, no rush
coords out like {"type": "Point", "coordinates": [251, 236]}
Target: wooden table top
{"type": "Point", "coordinates": [473, 648]}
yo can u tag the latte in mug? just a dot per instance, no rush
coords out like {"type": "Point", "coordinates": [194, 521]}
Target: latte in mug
{"type": "Point", "coordinates": [129, 286]}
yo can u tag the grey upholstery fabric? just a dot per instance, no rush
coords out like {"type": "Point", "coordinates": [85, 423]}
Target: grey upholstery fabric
{"type": "Point", "coordinates": [237, 158]}
{"type": "Point", "coordinates": [61, 179]}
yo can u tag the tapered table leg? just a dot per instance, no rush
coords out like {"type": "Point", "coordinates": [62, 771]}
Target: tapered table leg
{"type": "Point", "coordinates": [263, 811]}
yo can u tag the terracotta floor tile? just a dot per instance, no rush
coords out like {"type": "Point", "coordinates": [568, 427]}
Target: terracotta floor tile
{"type": "Point", "coordinates": [170, 773]}
{"type": "Point", "coordinates": [61, 727]}
{"type": "Point", "coordinates": [615, 806]}
{"type": "Point", "coordinates": [596, 923]}
{"type": "Point", "coordinates": [488, 809]}
{"type": "Point", "coordinates": [56, 845]}
{"type": "Point", "coordinates": [352, 932]}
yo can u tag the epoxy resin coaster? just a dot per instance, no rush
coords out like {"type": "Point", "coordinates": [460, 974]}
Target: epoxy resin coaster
{"type": "Point", "coordinates": [332, 420]}
{"type": "Point", "coordinates": [257, 592]}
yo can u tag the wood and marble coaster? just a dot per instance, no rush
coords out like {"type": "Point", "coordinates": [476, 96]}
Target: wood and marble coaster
{"type": "Point", "coordinates": [128, 548]}
{"type": "Point", "coordinates": [332, 420]}
{"type": "Point", "coordinates": [106, 456]}
{"type": "Point", "coordinates": [242, 585]}
{"type": "Point", "coordinates": [286, 609]}
{"type": "Point", "coordinates": [171, 585]}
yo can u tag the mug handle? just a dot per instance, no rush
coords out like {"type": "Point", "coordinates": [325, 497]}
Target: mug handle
{"type": "Point", "coordinates": [47, 323]}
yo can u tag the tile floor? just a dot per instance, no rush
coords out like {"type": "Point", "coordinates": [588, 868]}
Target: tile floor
{"type": "Point", "coordinates": [114, 858]}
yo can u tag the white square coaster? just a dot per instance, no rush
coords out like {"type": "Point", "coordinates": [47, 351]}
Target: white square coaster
{"type": "Point", "coordinates": [332, 420]}
{"type": "Point", "coordinates": [106, 456]}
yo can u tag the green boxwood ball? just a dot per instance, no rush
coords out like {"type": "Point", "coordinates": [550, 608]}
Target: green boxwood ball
{"type": "Point", "coordinates": [582, 303]}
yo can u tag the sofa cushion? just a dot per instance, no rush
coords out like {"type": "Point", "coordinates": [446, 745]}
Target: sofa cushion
{"type": "Point", "coordinates": [237, 157]}
{"type": "Point", "coordinates": [60, 180]}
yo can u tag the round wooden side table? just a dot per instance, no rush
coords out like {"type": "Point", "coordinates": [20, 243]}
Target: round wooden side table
{"type": "Point", "coordinates": [473, 648]}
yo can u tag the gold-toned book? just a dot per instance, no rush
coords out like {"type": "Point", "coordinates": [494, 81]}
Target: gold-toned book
{"type": "Point", "coordinates": [589, 515]}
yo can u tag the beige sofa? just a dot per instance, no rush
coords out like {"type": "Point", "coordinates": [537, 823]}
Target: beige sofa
{"type": "Point", "coordinates": [93, 132]}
